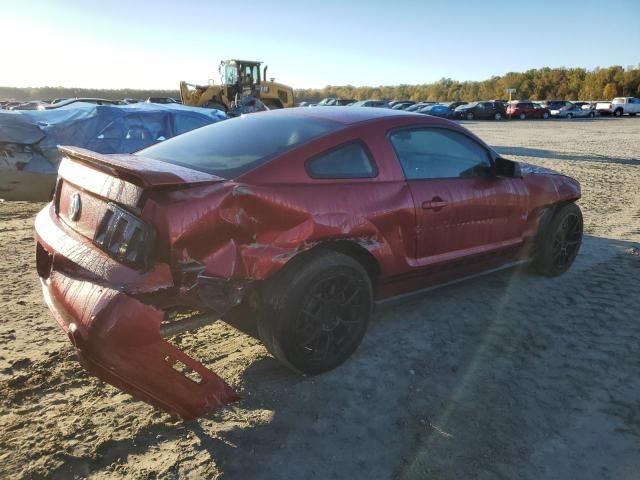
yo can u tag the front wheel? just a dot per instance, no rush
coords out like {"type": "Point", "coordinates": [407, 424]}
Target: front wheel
{"type": "Point", "coordinates": [569, 116]}
{"type": "Point", "coordinates": [592, 114]}
{"type": "Point", "coordinates": [560, 242]}
{"type": "Point", "coordinates": [316, 311]}
{"type": "Point", "coordinates": [497, 116]}
{"type": "Point", "coordinates": [470, 116]}
{"type": "Point", "coordinates": [522, 116]}
{"type": "Point", "coordinates": [618, 112]}
{"type": "Point", "coordinates": [545, 115]}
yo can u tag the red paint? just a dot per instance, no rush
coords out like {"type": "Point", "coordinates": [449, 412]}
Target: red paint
{"type": "Point", "coordinates": [247, 229]}
{"type": "Point", "coordinates": [515, 109]}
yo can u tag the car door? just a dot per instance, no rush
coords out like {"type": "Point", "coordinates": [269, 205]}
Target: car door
{"type": "Point", "coordinates": [482, 110]}
{"type": "Point", "coordinates": [462, 209]}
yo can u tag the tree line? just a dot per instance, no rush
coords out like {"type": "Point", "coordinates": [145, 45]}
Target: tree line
{"type": "Point", "coordinates": [51, 93]}
{"type": "Point", "coordinates": [535, 84]}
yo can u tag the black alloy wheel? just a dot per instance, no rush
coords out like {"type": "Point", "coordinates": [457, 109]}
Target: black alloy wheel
{"type": "Point", "coordinates": [566, 241]}
{"type": "Point", "coordinates": [559, 242]}
{"type": "Point", "coordinates": [331, 317]}
{"type": "Point", "coordinates": [316, 311]}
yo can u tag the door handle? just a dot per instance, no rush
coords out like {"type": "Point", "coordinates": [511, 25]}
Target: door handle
{"type": "Point", "coordinates": [435, 204]}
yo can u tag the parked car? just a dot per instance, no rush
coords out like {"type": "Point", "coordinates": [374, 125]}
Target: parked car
{"type": "Point", "coordinates": [554, 106]}
{"type": "Point", "coordinates": [437, 110]}
{"type": "Point", "coordinates": [453, 105]}
{"type": "Point", "coordinates": [32, 105]}
{"type": "Point", "coordinates": [402, 105]}
{"type": "Point", "coordinates": [300, 216]}
{"type": "Point", "coordinates": [370, 103]}
{"type": "Point", "coordinates": [481, 110]}
{"type": "Point", "coordinates": [29, 155]}
{"type": "Point", "coordinates": [417, 106]}
{"type": "Point", "coordinates": [71, 101]}
{"type": "Point", "coordinates": [335, 102]}
{"type": "Point", "coordinates": [399, 102]}
{"type": "Point", "coordinates": [620, 106]}
{"type": "Point", "coordinates": [526, 109]}
{"type": "Point", "coordinates": [575, 111]}
{"type": "Point", "coordinates": [6, 105]}
{"type": "Point", "coordinates": [161, 100]}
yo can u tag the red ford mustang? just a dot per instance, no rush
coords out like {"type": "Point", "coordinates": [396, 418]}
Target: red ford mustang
{"type": "Point", "coordinates": [304, 217]}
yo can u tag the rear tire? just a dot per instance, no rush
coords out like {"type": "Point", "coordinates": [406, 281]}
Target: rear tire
{"type": "Point", "coordinates": [497, 116]}
{"type": "Point", "coordinates": [569, 116]}
{"type": "Point", "coordinates": [470, 116]}
{"type": "Point", "coordinates": [560, 242]}
{"type": "Point", "coordinates": [522, 116]}
{"type": "Point", "coordinates": [592, 114]}
{"type": "Point", "coordinates": [545, 115]}
{"type": "Point", "coordinates": [316, 311]}
{"type": "Point", "coordinates": [618, 112]}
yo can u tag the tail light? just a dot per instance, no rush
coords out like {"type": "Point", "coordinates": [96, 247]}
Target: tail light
{"type": "Point", "coordinates": [44, 261]}
{"type": "Point", "coordinates": [125, 237]}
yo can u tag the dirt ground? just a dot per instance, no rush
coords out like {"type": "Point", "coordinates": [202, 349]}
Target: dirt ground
{"type": "Point", "coordinates": [505, 376]}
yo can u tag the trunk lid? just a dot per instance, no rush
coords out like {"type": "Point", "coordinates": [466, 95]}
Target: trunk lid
{"type": "Point", "coordinates": [100, 197]}
{"type": "Point", "coordinates": [142, 171]}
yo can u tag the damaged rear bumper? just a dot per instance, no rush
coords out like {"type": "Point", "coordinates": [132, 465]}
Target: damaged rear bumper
{"type": "Point", "coordinates": [118, 337]}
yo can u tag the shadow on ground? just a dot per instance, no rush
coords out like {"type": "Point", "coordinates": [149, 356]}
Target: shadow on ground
{"type": "Point", "coordinates": [510, 375]}
{"type": "Point", "coordinates": [554, 155]}
{"type": "Point", "coordinates": [505, 376]}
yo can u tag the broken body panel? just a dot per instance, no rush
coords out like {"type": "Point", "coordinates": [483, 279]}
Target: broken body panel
{"type": "Point", "coordinates": [213, 240]}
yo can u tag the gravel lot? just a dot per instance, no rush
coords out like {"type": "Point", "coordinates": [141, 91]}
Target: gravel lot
{"type": "Point", "coordinates": [506, 376]}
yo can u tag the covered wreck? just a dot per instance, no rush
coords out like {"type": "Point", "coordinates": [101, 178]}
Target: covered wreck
{"type": "Point", "coordinates": [29, 156]}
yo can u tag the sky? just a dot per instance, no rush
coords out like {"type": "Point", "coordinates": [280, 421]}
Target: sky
{"type": "Point", "coordinates": [307, 44]}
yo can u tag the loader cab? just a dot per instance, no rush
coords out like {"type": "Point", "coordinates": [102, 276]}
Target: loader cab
{"type": "Point", "coordinates": [240, 77]}
{"type": "Point", "coordinates": [245, 72]}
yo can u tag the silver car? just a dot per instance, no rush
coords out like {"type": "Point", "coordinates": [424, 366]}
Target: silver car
{"type": "Point", "coordinates": [575, 111]}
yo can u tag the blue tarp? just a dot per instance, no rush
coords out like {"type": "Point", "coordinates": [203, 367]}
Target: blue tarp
{"type": "Point", "coordinates": [101, 128]}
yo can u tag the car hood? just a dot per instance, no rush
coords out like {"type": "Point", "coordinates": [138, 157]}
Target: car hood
{"type": "Point", "coordinates": [528, 169]}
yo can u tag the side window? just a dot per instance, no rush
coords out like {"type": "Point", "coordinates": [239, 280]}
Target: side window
{"type": "Point", "coordinates": [439, 153]}
{"type": "Point", "coordinates": [351, 160]}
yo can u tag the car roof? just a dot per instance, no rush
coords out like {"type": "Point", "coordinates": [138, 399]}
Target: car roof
{"type": "Point", "coordinates": [344, 115]}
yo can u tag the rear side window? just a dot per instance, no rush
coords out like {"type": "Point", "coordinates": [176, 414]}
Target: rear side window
{"type": "Point", "coordinates": [232, 147]}
{"type": "Point", "coordinates": [430, 153]}
{"type": "Point", "coordinates": [351, 160]}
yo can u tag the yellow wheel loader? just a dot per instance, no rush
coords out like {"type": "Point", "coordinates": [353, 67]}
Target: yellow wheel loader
{"type": "Point", "coordinates": [240, 79]}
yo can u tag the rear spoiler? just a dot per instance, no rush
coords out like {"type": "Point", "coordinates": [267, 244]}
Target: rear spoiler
{"type": "Point", "coordinates": [143, 171]}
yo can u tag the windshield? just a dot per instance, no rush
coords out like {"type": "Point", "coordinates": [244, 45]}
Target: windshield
{"type": "Point", "coordinates": [229, 74]}
{"type": "Point", "coordinates": [233, 147]}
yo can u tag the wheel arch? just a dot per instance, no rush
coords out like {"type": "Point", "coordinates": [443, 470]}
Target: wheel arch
{"type": "Point", "coordinates": [547, 215]}
{"type": "Point", "coordinates": [348, 247]}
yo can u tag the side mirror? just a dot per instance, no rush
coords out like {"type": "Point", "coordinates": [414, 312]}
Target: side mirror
{"type": "Point", "coordinates": [506, 168]}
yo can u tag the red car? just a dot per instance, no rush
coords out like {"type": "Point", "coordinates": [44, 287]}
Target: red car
{"type": "Point", "coordinates": [523, 110]}
{"type": "Point", "coordinates": [304, 217]}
